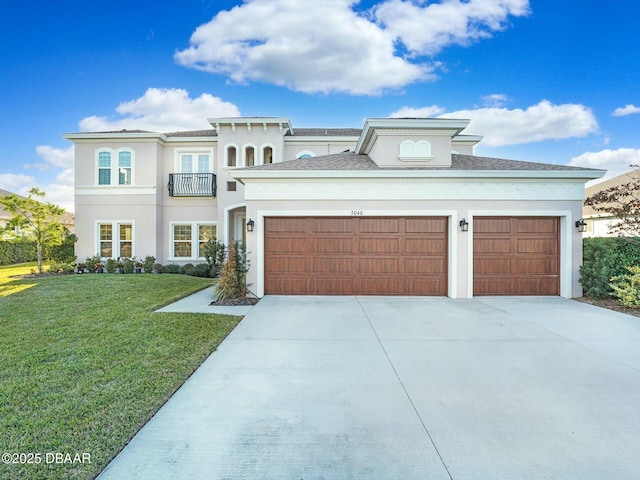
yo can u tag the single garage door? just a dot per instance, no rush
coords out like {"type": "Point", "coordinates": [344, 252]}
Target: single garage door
{"type": "Point", "coordinates": [356, 255]}
{"type": "Point", "coordinates": [516, 256]}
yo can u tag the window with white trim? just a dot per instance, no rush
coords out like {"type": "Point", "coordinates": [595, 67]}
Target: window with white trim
{"type": "Point", "coordinates": [115, 239]}
{"type": "Point", "coordinates": [305, 154]}
{"type": "Point", "coordinates": [195, 162]}
{"type": "Point", "coordinates": [115, 167]}
{"type": "Point", "coordinates": [188, 239]}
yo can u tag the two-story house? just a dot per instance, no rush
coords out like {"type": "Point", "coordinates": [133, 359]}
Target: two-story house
{"type": "Point", "coordinates": [400, 207]}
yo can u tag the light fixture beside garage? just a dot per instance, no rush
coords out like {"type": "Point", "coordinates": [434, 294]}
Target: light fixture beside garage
{"type": "Point", "coordinates": [250, 225]}
{"type": "Point", "coordinates": [464, 225]}
{"type": "Point", "coordinates": [581, 225]}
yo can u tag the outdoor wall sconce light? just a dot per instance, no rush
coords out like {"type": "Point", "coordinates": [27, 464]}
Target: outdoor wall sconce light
{"type": "Point", "coordinates": [464, 225]}
{"type": "Point", "coordinates": [581, 225]}
{"type": "Point", "coordinates": [250, 225]}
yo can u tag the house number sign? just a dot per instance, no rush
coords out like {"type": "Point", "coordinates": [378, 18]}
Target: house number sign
{"type": "Point", "coordinates": [357, 213]}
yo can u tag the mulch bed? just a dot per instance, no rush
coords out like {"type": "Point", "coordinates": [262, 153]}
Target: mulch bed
{"type": "Point", "coordinates": [611, 304]}
{"type": "Point", "coordinates": [234, 302]}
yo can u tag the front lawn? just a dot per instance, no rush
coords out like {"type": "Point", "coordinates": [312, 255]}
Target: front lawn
{"type": "Point", "coordinates": [84, 364]}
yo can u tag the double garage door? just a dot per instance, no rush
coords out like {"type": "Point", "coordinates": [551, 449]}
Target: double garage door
{"type": "Point", "coordinates": [407, 255]}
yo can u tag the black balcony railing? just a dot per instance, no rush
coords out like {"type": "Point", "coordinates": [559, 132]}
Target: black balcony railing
{"type": "Point", "coordinates": [192, 185]}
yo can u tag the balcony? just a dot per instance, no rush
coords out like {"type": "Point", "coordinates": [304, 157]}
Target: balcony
{"type": "Point", "coordinates": [192, 185]}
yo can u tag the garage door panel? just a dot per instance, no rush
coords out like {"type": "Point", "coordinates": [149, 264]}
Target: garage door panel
{"type": "Point", "coordinates": [379, 245]}
{"type": "Point", "coordinates": [286, 245]}
{"type": "Point", "coordinates": [425, 225]}
{"type": "Point", "coordinates": [333, 265]}
{"type": "Point", "coordinates": [333, 245]}
{"type": "Point", "coordinates": [332, 225]}
{"type": "Point", "coordinates": [425, 265]}
{"type": "Point", "coordinates": [356, 255]}
{"type": "Point", "coordinates": [547, 246]}
{"type": "Point", "coordinates": [286, 225]}
{"type": "Point", "coordinates": [378, 265]}
{"type": "Point", "coordinates": [537, 225]}
{"type": "Point", "coordinates": [373, 286]}
{"type": "Point", "coordinates": [537, 266]}
{"type": "Point", "coordinates": [379, 225]}
{"type": "Point", "coordinates": [332, 286]}
{"type": "Point", "coordinates": [543, 286]}
{"type": "Point", "coordinates": [294, 286]}
{"type": "Point", "coordinates": [491, 245]}
{"type": "Point", "coordinates": [285, 265]}
{"type": "Point", "coordinates": [521, 260]}
{"type": "Point", "coordinates": [492, 225]}
{"type": "Point", "coordinates": [425, 245]}
{"type": "Point", "coordinates": [492, 266]}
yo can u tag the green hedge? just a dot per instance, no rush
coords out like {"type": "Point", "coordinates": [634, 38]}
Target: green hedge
{"type": "Point", "coordinates": [603, 258]}
{"type": "Point", "coordinates": [17, 252]}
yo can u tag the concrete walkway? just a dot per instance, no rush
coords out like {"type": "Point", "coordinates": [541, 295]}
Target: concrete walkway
{"type": "Point", "coordinates": [405, 388]}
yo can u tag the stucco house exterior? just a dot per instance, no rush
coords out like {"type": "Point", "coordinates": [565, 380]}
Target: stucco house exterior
{"type": "Point", "coordinates": [399, 207]}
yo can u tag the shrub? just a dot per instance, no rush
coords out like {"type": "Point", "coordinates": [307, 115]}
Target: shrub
{"type": "Point", "coordinates": [63, 253]}
{"type": "Point", "coordinates": [604, 258]}
{"type": "Point", "coordinates": [148, 263]}
{"type": "Point", "coordinates": [156, 268]}
{"type": "Point", "coordinates": [188, 268]}
{"type": "Point", "coordinates": [92, 262]}
{"type": "Point", "coordinates": [215, 253]}
{"type": "Point", "coordinates": [627, 287]}
{"type": "Point", "coordinates": [201, 270]}
{"type": "Point", "coordinates": [172, 268]}
{"type": "Point", "coordinates": [18, 251]}
{"type": "Point", "coordinates": [56, 267]}
{"type": "Point", "coordinates": [127, 265]}
{"type": "Point", "coordinates": [111, 265]}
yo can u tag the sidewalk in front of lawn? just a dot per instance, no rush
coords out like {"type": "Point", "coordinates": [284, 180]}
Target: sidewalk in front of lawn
{"type": "Point", "coordinates": [405, 388]}
{"type": "Point", "coordinates": [200, 302]}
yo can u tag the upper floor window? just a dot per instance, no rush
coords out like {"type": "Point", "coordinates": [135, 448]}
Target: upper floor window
{"type": "Point", "coordinates": [267, 154]}
{"type": "Point", "coordinates": [231, 154]}
{"type": "Point", "coordinates": [249, 156]}
{"type": "Point", "coordinates": [195, 162]}
{"type": "Point", "coordinates": [115, 167]}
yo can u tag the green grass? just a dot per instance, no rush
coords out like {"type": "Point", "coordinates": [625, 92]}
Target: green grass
{"type": "Point", "coordinates": [84, 362]}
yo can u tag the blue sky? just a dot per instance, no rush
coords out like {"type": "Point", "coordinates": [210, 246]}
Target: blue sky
{"type": "Point", "coordinates": [542, 80]}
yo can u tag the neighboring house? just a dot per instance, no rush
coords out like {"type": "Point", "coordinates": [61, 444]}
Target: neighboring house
{"type": "Point", "coordinates": [67, 220]}
{"type": "Point", "coordinates": [401, 207]}
{"type": "Point", "coordinates": [598, 223]}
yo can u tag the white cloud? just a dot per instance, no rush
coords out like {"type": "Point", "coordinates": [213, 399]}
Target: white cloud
{"type": "Point", "coordinates": [422, 112]}
{"type": "Point", "coordinates": [425, 30]}
{"type": "Point", "coordinates": [326, 46]}
{"type": "Point", "coordinates": [543, 121]}
{"type": "Point", "coordinates": [163, 110]}
{"type": "Point", "coordinates": [53, 157]}
{"type": "Point", "coordinates": [16, 183]}
{"type": "Point", "coordinates": [615, 162]}
{"type": "Point", "coordinates": [495, 100]}
{"type": "Point", "coordinates": [60, 194]}
{"type": "Point", "coordinates": [628, 109]}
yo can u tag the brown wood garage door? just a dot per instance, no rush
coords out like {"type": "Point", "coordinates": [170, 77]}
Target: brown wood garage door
{"type": "Point", "coordinates": [516, 256]}
{"type": "Point", "coordinates": [356, 255]}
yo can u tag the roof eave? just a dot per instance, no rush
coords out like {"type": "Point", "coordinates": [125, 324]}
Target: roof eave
{"type": "Point", "coordinates": [582, 175]}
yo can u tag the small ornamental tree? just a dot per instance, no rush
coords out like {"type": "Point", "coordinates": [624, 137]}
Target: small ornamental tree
{"type": "Point", "coordinates": [36, 220]}
{"type": "Point", "coordinates": [621, 202]}
{"type": "Point", "coordinates": [232, 282]}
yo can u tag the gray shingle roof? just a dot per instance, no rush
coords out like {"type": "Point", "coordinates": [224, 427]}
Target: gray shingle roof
{"type": "Point", "coordinates": [326, 132]}
{"type": "Point", "coordinates": [210, 132]}
{"type": "Point", "coordinates": [353, 161]}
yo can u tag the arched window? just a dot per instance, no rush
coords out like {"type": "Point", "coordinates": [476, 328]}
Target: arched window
{"type": "Point", "coordinates": [104, 168]}
{"type": "Point", "coordinates": [232, 156]}
{"type": "Point", "coordinates": [267, 154]}
{"type": "Point", "coordinates": [249, 156]}
{"type": "Point", "coordinates": [305, 154]}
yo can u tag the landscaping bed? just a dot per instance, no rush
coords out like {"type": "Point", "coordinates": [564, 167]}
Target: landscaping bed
{"type": "Point", "coordinates": [85, 363]}
{"type": "Point", "coordinates": [611, 304]}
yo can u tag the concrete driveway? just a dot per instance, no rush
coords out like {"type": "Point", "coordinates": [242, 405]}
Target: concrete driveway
{"type": "Point", "coordinates": [405, 388]}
